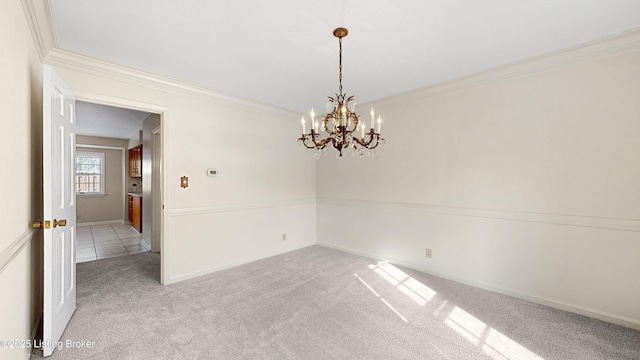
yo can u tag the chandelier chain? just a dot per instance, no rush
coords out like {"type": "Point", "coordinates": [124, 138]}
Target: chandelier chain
{"type": "Point", "coordinates": [340, 40]}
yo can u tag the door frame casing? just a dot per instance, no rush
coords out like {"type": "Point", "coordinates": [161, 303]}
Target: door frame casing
{"type": "Point", "coordinates": [132, 104]}
{"type": "Point", "coordinates": [156, 189]}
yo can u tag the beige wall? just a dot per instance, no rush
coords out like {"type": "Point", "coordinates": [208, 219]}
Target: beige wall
{"type": "Point", "coordinates": [524, 183]}
{"type": "Point", "coordinates": [110, 207]}
{"type": "Point", "coordinates": [20, 183]}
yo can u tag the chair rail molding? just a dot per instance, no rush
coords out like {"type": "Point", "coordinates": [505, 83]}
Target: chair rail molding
{"type": "Point", "coordinates": [10, 252]}
{"type": "Point", "coordinates": [508, 215]}
{"type": "Point", "coordinates": [240, 207]}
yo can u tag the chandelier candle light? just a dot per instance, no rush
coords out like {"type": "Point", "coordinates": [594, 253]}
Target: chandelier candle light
{"type": "Point", "coordinates": [341, 123]}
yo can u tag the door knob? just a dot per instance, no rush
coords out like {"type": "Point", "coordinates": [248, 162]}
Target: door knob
{"type": "Point", "coordinates": [62, 222]}
{"type": "Point", "coordinates": [36, 224]}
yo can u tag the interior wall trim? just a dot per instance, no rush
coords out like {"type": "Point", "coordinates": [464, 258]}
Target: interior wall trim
{"type": "Point", "coordinates": [39, 16]}
{"type": "Point", "coordinates": [106, 69]}
{"type": "Point", "coordinates": [103, 147]}
{"type": "Point", "coordinates": [103, 222]}
{"type": "Point", "coordinates": [576, 309]}
{"type": "Point", "coordinates": [10, 252]}
{"type": "Point", "coordinates": [240, 207]}
{"type": "Point", "coordinates": [209, 270]}
{"type": "Point", "coordinates": [613, 45]}
{"type": "Point", "coordinates": [36, 325]}
{"type": "Point", "coordinates": [145, 245]}
{"type": "Point", "coordinates": [509, 215]}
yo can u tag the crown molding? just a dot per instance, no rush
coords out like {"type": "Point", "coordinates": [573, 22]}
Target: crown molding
{"type": "Point", "coordinates": [122, 73]}
{"type": "Point", "coordinates": [39, 16]}
{"type": "Point", "coordinates": [613, 45]}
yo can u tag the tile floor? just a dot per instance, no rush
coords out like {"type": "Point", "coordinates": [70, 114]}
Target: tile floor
{"type": "Point", "coordinates": [105, 241]}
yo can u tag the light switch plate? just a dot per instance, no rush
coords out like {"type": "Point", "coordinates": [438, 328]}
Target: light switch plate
{"type": "Point", "coordinates": [212, 172]}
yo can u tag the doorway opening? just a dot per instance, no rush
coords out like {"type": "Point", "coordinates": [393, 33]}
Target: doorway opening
{"type": "Point", "coordinates": [119, 180]}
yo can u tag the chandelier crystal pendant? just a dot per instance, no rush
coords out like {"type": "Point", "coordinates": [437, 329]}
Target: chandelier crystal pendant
{"type": "Point", "coordinates": [344, 128]}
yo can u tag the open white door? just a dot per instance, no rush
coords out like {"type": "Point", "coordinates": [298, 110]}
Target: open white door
{"type": "Point", "coordinates": [59, 208]}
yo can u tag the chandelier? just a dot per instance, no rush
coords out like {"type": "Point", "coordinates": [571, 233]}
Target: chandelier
{"type": "Point", "coordinates": [343, 127]}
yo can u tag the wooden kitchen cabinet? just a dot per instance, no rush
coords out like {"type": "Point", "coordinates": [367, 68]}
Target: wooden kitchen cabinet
{"type": "Point", "coordinates": [135, 212]}
{"type": "Point", "coordinates": [135, 161]}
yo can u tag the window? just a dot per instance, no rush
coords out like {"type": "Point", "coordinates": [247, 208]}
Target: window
{"type": "Point", "coordinates": [90, 173]}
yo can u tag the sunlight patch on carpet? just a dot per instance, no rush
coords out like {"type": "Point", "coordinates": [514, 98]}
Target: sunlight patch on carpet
{"type": "Point", "coordinates": [412, 288]}
{"type": "Point", "coordinates": [493, 343]}
{"type": "Point", "coordinates": [382, 299]}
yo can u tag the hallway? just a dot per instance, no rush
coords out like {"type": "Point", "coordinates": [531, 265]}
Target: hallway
{"type": "Point", "coordinates": [106, 241]}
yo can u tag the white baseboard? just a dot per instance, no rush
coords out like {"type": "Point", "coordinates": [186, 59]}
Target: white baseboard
{"type": "Point", "coordinates": [234, 264]}
{"type": "Point", "coordinates": [145, 245]}
{"type": "Point", "coordinates": [105, 222]}
{"type": "Point", "coordinates": [34, 330]}
{"type": "Point", "coordinates": [576, 309]}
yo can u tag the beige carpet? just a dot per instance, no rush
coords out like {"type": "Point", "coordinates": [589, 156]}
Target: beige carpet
{"type": "Point", "coordinates": [319, 303]}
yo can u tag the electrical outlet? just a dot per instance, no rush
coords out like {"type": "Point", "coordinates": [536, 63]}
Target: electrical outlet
{"type": "Point", "coordinates": [427, 253]}
{"type": "Point", "coordinates": [284, 236]}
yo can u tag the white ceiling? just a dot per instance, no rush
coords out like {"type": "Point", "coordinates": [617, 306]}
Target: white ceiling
{"type": "Point", "coordinates": [283, 53]}
{"type": "Point", "coordinates": [107, 121]}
